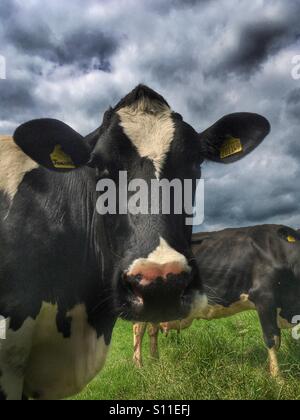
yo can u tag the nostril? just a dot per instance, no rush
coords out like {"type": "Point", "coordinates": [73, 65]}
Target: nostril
{"type": "Point", "coordinates": [136, 283]}
{"type": "Point", "coordinates": [132, 281]}
{"type": "Point", "coordinates": [141, 286]}
{"type": "Point", "coordinates": [132, 285]}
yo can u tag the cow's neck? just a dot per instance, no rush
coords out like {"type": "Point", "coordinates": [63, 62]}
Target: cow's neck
{"type": "Point", "coordinates": [95, 249]}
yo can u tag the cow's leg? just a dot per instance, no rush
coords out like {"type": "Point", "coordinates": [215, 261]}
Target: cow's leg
{"type": "Point", "coordinates": [153, 331]}
{"type": "Point", "coordinates": [264, 295]}
{"type": "Point", "coordinates": [267, 312]}
{"type": "Point", "coordinates": [11, 385]}
{"type": "Point", "coordinates": [14, 353]}
{"type": "Point", "coordinates": [12, 368]}
{"type": "Point", "coordinates": [139, 330]}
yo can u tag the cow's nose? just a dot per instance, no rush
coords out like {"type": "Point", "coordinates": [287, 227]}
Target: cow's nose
{"type": "Point", "coordinates": [148, 272]}
{"type": "Point", "coordinates": [156, 286]}
{"type": "Point", "coordinates": [161, 263]}
{"type": "Point", "coordinates": [154, 283]}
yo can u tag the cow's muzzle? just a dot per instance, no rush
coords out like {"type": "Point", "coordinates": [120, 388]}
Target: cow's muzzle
{"type": "Point", "coordinates": [161, 299]}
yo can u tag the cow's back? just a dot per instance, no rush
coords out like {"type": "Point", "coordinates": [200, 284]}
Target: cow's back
{"type": "Point", "coordinates": [234, 262]}
{"type": "Point", "coordinates": [14, 165]}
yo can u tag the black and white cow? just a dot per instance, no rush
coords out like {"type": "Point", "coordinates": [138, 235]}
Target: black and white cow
{"type": "Point", "coordinates": [66, 272]}
{"type": "Point", "coordinates": [255, 268]}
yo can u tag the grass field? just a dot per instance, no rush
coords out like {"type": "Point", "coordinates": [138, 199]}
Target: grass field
{"type": "Point", "coordinates": [223, 359]}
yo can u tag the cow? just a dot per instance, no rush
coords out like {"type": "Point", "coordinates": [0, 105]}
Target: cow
{"type": "Point", "coordinates": [253, 268]}
{"type": "Point", "coordinates": [140, 328]}
{"type": "Point", "coordinates": [178, 326]}
{"type": "Point", "coordinates": [68, 271]}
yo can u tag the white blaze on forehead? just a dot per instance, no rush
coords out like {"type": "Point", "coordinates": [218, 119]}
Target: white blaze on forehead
{"type": "Point", "coordinates": [162, 255]}
{"type": "Point", "coordinates": [150, 127]}
{"type": "Point", "coordinates": [14, 165]}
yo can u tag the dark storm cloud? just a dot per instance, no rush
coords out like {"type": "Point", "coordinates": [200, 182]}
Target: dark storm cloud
{"type": "Point", "coordinates": [172, 71]}
{"type": "Point", "coordinates": [7, 8]}
{"type": "Point", "coordinates": [293, 105]}
{"type": "Point", "coordinates": [188, 3]}
{"type": "Point", "coordinates": [84, 45]}
{"type": "Point", "coordinates": [258, 41]}
{"type": "Point", "coordinates": [167, 6]}
{"type": "Point", "coordinates": [264, 201]}
{"type": "Point", "coordinates": [293, 143]}
{"type": "Point", "coordinates": [79, 47]}
{"type": "Point", "coordinates": [72, 60]}
{"type": "Point", "coordinates": [30, 39]}
{"type": "Point", "coordinates": [18, 101]}
{"type": "Point", "coordinates": [15, 98]}
{"type": "Point", "coordinates": [87, 44]}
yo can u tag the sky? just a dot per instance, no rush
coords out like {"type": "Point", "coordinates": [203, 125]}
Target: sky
{"type": "Point", "coordinates": [208, 58]}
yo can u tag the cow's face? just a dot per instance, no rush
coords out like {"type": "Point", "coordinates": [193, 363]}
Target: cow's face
{"type": "Point", "coordinates": [141, 143]}
{"type": "Point", "coordinates": [155, 277]}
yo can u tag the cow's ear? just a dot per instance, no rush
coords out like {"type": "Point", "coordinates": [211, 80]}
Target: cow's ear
{"type": "Point", "coordinates": [233, 137]}
{"type": "Point", "coordinates": [53, 144]}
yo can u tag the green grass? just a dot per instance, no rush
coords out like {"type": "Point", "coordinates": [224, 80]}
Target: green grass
{"type": "Point", "coordinates": [224, 359]}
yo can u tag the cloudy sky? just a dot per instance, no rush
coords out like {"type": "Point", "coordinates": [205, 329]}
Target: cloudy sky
{"type": "Point", "coordinates": [71, 60]}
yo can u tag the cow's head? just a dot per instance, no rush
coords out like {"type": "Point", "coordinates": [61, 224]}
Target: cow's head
{"type": "Point", "coordinates": [155, 277]}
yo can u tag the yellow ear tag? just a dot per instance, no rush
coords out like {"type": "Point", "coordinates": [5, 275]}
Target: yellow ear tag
{"type": "Point", "coordinates": [231, 147]}
{"type": "Point", "coordinates": [291, 239]}
{"type": "Point", "coordinates": [60, 159]}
